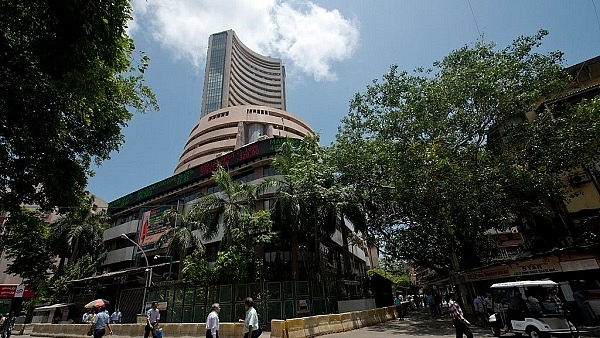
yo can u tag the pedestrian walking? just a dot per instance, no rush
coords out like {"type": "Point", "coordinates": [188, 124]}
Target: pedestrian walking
{"type": "Point", "coordinates": [480, 309]}
{"type": "Point", "coordinates": [152, 318]}
{"type": "Point", "coordinates": [212, 322]}
{"type": "Point", "coordinates": [101, 323]}
{"type": "Point", "coordinates": [8, 325]}
{"type": "Point", "coordinates": [398, 303]}
{"type": "Point", "coordinates": [461, 324]}
{"type": "Point", "coordinates": [2, 319]}
{"type": "Point", "coordinates": [251, 325]}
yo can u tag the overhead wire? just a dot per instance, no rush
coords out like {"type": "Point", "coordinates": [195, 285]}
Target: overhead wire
{"type": "Point", "coordinates": [474, 18]}
{"type": "Point", "coordinates": [596, 12]}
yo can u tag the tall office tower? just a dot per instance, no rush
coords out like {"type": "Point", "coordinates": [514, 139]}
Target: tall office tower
{"type": "Point", "coordinates": [235, 76]}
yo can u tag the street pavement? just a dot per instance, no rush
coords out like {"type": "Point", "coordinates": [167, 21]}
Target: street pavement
{"type": "Point", "coordinates": [420, 324]}
{"type": "Point", "coordinates": [417, 324]}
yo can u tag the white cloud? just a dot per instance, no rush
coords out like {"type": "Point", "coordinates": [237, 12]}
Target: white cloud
{"type": "Point", "coordinates": [308, 38]}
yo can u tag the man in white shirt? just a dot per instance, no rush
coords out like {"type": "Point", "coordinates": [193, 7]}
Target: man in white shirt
{"type": "Point", "coordinates": [212, 322]}
{"type": "Point", "coordinates": [251, 321]}
{"type": "Point", "coordinates": [152, 317]}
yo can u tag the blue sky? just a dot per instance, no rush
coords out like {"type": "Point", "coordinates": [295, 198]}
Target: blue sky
{"type": "Point", "coordinates": [331, 50]}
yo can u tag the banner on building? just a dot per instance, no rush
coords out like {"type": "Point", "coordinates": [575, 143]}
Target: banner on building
{"type": "Point", "coordinates": [15, 291]}
{"type": "Point", "coordinates": [153, 226]}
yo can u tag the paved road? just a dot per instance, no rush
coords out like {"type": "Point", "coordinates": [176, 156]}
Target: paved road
{"type": "Point", "coordinates": [418, 324]}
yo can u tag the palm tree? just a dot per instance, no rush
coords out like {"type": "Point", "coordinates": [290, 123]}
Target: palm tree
{"type": "Point", "coordinates": [77, 233]}
{"type": "Point", "coordinates": [180, 236]}
{"type": "Point", "coordinates": [224, 208]}
{"type": "Point", "coordinates": [306, 200]}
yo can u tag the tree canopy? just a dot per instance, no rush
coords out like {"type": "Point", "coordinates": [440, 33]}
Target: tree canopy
{"type": "Point", "coordinates": [67, 83]}
{"type": "Point", "coordinates": [439, 156]}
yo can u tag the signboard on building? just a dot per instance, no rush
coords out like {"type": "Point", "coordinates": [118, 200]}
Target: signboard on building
{"type": "Point", "coordinates": [153, 226]}
{"type": "Point", "coordinates": [245, 154]}
{"type": "Point", "coordinates": [536, 266]}
{"type": "Point", "coordinates": [491, 273]}
{"type": "Point", "coordinates": [15, 291]}
{"type": "Point", "coordinates": [581, 264]}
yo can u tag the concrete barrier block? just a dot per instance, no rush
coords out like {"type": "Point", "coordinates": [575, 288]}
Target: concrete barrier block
{"type": "Point", "coordinates": [295, 328]}
{"type": "Point", "coordinates": [226, 330]}
{"type": "Point", "coordinates": [380, 315]}
{"type": "Point", "coordinates": [74, 329]}
{"type": "Point", "coordinates": [364, 317]}
{"type": "Point", "coordinates": [335, 322]}
{"type": "Point", "coordinates": [190, 330]}
{"type": "Point", "coordinates": [372, 317]}
{"type": "Point", "coordinates": [18, 329]}
{"type": "Point", "coordinates": [28, 329]}
{"type": "Point", "coordinates": [278, 328]}
{"type": "Point", "coordinates": [356, 320]}
{"type": "Point", "coordinates": [311, 326]}
{"type": "Point", "coordinates": [346, 319]}
{"type": "Point", "coordinates": [54, 329]}
{"type": "Point", "coordinates": [129, 330]}
{"type": "Point", "coordinates": [171, 329]}
{"type": "Point", "coordinates": [390, 312]}
{"type": "Point", "coordinates": [323, 324]}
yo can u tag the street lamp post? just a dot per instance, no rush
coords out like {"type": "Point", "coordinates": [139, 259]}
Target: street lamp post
{"type": "Point", "coordinates": [148, 271]}
{"type": "Point", "coordinates": [170, 264]}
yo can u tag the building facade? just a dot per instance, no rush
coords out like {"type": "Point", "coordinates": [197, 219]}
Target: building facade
{"type": "Point", "coordinates": [231, 128]}
{"type": "Point", "coordinates": [235, 75]}
{"type": "Point", "coordinates": [242, 124]}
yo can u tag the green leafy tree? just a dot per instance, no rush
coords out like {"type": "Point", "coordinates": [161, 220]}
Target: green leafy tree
{"type": "Point", "coordinates": [179, 238]}
{"type": "Point", "coordinates": [67, 83]}
{"type": "Point", "coordinates": [78, 233]}
{"type": "Point", "coordinates": [308, 203]}
{"type": "Point", "coordinates": [24, 243]}
{"type": "Point", "coordinates": [196, 269]}
{"type": "Point", "coordinates": [439, 156]}
{"type": "Point", "coordinates": [224, 208]}
{"type": "Point", "coordinates": [86, 266]}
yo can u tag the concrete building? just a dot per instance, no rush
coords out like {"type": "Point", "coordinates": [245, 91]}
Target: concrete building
{"type": "Point", "coordinates": [243, 123]}
{"type": "Point", "coordinates": [235, 75]}
{"type": "Point", "coordinates": [231, 128]}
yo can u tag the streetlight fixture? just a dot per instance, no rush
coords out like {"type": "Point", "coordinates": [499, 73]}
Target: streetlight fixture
{"type": "Point", "coordinates": [170, 264]}
{"type": "Point", "coordinates": [148, 271]}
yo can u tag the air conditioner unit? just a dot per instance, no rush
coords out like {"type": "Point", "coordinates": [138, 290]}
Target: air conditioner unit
{"type": "Point", "coordinates": [580, 178]}
{"type": "Point", "coordinates": [263, 137]}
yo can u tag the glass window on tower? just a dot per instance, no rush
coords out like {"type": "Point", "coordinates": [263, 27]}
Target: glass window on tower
{"type": "Point", "coordinates": [215, 73]}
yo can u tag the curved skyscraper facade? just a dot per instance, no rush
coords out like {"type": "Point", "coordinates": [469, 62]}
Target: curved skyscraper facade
{"type": "Point", "coordinates": [235, 76]}
{"type": "Point", "coordinates": [231, 128]}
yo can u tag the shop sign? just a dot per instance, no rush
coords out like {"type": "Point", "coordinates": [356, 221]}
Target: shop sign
{"type": "Point", "coordinates": [536, 266]}
{"type": "Point", "coordinates": [15, 291]}
{"type": "Point", "coordinates": [493, 273]}
{"type": "Point", "coordinates": [582, 264]}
